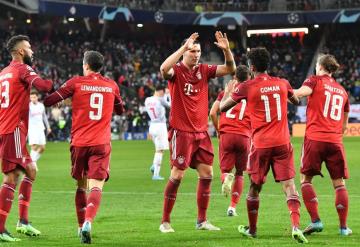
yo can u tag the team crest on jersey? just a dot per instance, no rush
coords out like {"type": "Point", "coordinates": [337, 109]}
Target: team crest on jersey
{"type": "Point", "coordinates": [190, 90]}
{"type": "Point", "coordinates": [180, 159]}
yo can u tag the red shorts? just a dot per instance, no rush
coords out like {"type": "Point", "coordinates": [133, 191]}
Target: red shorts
{"type": "Point", "coordinates": [280, 159]}
{"type": "Point", "coordinates": [233, 151]}
{"type": "Point", "coordinates": [333, 154]}
{"type": "Point", "coordinates": [91, 162]}
{"type": "Point", "coordinates": [13, 151]}
{"type": "Point", "coordinates": [187, 149]}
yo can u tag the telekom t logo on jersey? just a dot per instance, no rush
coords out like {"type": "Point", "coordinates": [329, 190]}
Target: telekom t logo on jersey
{"type": "Point", "coordinates": [190, 90]}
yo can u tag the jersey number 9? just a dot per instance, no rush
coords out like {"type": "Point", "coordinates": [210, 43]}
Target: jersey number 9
{"type": "Point", "coordinates": [96, 102]}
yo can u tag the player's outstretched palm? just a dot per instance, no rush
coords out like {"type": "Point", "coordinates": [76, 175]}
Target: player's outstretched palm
{"type": "Point", "coordinates": [230, 86]}
{"type": "Point", "coordinates": [221, 40]}
{"type": "Point", "coordinates": [190, 41]}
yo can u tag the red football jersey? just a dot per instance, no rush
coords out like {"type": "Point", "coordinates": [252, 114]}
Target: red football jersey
{"type": "Point", "coordinates": [93, 99]}
{"type": "Point", "coordinates": [325, 109]}
{"type": "Point", "coordinates": [236, 120]}
{"type": "Point", "coordinates": [15, 85]}
{"type": "Point", "coordinates": [267, 105]}
{"type": "Point", "coordinates": [189, 97]}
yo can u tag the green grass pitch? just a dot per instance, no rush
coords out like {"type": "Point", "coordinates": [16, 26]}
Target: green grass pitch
{"type": "Point", "coordinates": [130, 211]}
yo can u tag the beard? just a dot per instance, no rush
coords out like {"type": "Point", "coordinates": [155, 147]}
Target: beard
{"type": "Point", "coordinates": [27, 60]}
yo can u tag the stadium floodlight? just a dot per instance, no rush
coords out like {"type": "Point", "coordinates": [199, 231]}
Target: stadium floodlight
{"type": "Point", "coordinates": [28, 20]}
{"type": "Point", "coordinates": [71, 19]}
{"type": "Point", "coordinates": [140, 25]}
{"type": "Point", "coordinates": [278, 30]}
{"type": "Point", "coordinates": [316, 26]}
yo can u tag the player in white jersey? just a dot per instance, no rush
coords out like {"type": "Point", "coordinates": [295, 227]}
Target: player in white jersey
{"type": "Point", "coordinates": [155, 108]}
{"type": "Point", "coordinates": [37, 119]}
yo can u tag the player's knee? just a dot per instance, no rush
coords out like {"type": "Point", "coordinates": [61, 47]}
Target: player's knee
{"type": "Point", "coordinates": [176, 173]}
{"type": "Point", "coordinates": [41, 149]}
{"type": "Point", "coordinates": [31, 171]}
{"type": "Point", "coordinates": [289, 187]}
{"type": "Point", "coordinates": [238, 172]}
{"type": "Point", "coordinates": [12, 177]}
{"type": "Point", "coordinates": [338, 182]}
{"type": "Point", "coordinates": [254, 190]}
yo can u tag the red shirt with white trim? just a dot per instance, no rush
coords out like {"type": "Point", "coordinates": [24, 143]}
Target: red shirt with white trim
{"type": "Point", "coordinates": [267, 98]}
{"type": "Point", "coordinates": [325, 109]}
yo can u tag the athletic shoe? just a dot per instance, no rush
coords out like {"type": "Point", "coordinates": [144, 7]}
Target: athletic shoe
{"type": "Point", "coordinates": [27, 229]}
{"type": "Point", "coordinates": [157, 178]}
{"type": "Point", "coordinates": [7, 237]}
{"type": "Point", "coordinates": [245, 231]}
{"type": "Point", "coordinates": [152, 169]}
{"type": "Point", "coordinates": [345, 231]}
{"type": "Point", "coordinates": [314, 227]}
{"type": "Point", "coordinates": [227, 185]}
{"type": "Point", "coordinates": [86, 233]}
{"type": "Point", "coordinates": [298, 235]}
{"type": "Point", "coordinates": [231, 212]}
{"type": "Point", "coordinates": [206, 225]}
{"type": "Point", "coordinates": [165, 227]}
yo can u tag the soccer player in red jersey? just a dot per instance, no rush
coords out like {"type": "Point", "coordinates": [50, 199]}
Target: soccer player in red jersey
{"type": "Point", "coordinates": [190, 144]}
{"type": "Point", "coordinates": [267, 99]}
{"type": "Point", "coordinates": [16, 81]}
{"type": "Point", "coordinates": [234, 132]}
{"type": "Point", "coordinates": [94, 98]}
{"type": "Point", "coordinates": [327, 116]}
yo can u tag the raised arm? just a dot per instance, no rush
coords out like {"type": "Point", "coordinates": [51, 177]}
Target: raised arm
{"type": "Point", "coordinates": [30, 77]}
{"type": "Point", "coordinates": [229, 66]}
{"type": "Point", "coordinates": [227, 102]}
{"type": "Point", "coordinates": [65, 91]}
{"type": "Point", "coordinates": [215, 109]}
{"type": "Point", "coordinates": [166, 69]}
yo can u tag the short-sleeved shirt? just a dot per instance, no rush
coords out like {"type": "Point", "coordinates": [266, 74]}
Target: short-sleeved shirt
{"type": "Point", "coordinates": [15, 85]}
{"type": "Point", "coordinates": [189, 97]}
{"type": "Point", "coordinates": [155, 108]}
{"type": "Point", "coordinates": [325, 109]}
{"type": "Point", "coordinates": [267, 104]}
{"type": "Point", "coordinates": [93, 98]}
{"type": "Point", "coordinates": [236, 120]}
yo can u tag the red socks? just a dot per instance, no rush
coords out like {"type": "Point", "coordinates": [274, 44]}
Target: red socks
{"type": "Point", "coordinates": [293, 203]}
{"type": "Point", "coordinates": [252, 204]}
{"type": "Point", "coordinates": [169, 198]}
{"type": "Point", "coordinates": [80, 203]}
{"type": "Point", "coordinates": [203, 197]}
{"type": "Point", "coordinates": [24, 199]}
{"type": "Point", "coordinates": [237, 190]}
{"type": "Point", "coordinates": [310, 201]}
{"type": "Point", "coordinates": [6, 199]}
{"type": "Point", "coordinates": [341, 204]}
{"type": "Point", "coordinates": [93, 203]}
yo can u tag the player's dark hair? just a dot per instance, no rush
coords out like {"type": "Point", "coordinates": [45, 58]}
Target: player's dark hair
{"type": "Point", "coordinates": [160, 87]}
{"type": "Point", "coordinates": [34, 93]}
{"type": "Point", "coordinates": [94, 59]}
{"type": "Point", "coordinates": [328, 62]}
{"type": "Point", "coordinates": [242, 73]}
{"type": "Point", "coordinates": [259, 57]}
{"type": "Point", "coordinates": [14, 40]}
{"type": "Point", "coordinates": [195, 42]}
